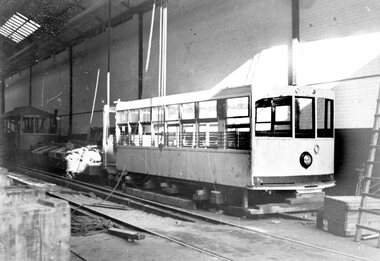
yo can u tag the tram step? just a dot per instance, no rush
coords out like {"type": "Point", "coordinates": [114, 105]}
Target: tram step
{"type": "Point", "coordinates": [165, 199]}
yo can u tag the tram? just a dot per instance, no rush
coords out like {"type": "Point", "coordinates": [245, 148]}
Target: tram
{"type": "Point", "coordinates": [230, 138]}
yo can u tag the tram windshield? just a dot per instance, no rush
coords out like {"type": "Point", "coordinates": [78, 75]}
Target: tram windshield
{"type": "Point", "coordinates": [274, 117]}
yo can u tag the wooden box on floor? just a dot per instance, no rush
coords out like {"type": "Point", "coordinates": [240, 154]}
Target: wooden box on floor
{"type": "Point", "coordinates": [339, 215]}
{"type": "Point", "coordinates": [33, 227]}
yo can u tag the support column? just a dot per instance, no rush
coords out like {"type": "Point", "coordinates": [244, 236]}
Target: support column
{"type": "Point", "coordinates": [71, 90]}
{"type": "Point", "coordinates": [3, 95]}
{"type": "Point", "coordinates": [30, 86]}
{"type": "Point", "coordinates": [141, 16]}
{"type": "Point", "coordinates": [292, 51]}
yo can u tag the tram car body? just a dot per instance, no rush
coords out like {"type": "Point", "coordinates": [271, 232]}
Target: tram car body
{"type": "Point", "coordinates": [231, 137]}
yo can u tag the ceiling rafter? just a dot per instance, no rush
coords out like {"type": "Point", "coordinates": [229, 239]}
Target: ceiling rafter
{"type": "Point", "coordinates": [57, 38]}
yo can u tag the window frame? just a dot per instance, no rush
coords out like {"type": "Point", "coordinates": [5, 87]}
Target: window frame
{"type": "Point", "coordinates": [275, 102]}
{"type": "Point", "coordinates": [326, 132]}
{"type": "Point", "coordinates": [305, 133]}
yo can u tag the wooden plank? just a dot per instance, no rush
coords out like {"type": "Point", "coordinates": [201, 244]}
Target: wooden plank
{"type": "Point", "coordinates": [283, 208]}
{"type": "Point", "coordinates": [128, 234]}
{"type": "Point", "coordinates": [173, 201]}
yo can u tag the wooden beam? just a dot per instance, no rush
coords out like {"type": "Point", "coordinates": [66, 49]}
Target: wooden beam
{"type": "Point", "coordinates": [292, 70]}
{"type": "Point", "coordinates": [3, 95]}
{"type": "Point", "coordinates": [132, 235]}
{"type": "Point", "coordinates": [124, 16]}
{"type": "Point", "coordinates": [30, 85]}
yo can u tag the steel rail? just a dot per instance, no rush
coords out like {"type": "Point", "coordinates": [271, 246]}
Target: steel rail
{"type": "Point", "coordinates": [139, 228]}
{"type": "Point", "coordinates": [131, 200]}
{"type": "Point", "coordinates": [119, 196]}
{"type": "Point", "coordinates": [100, 191]}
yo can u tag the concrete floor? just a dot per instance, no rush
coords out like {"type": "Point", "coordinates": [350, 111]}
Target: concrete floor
{"type": "Point", "coordinates": [232, 243]}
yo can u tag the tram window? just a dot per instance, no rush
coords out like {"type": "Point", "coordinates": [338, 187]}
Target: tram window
{"type": "Point", "coordinates": [207, 110]}
{"type": "Point", "coordinates": [188, 111]}
{"type": "Point", "coordinates": [124, 137]}
{"type": "Point", "coordinates": [173, 135]}
{"type": "Point", "coordinates": [157, 113]}
{"type": "Point", "coordinates": [133, 116]}
{"type": "Point", "coordinates": [208, 134]}
{"type": "Point", "coordinates": [172, 112]}
{"type": "Point", "coordinates": [263, 118]}
{"type": "Point", "coordinates": [238, 121]}
{"type": "Point", "coordinates": [238, 137]}
{"type": "Point", "coordinates": [325, 118]}
{"type": "Point", "coordinates": [304, 117]}
{"type": "Point", "coordinates": [188, 132]}
{"type": "Point", "coordinates": [237, 107]}
{"type": "Point", "coordinates": [145, 115]}
{"type": "Point", "coordinates": [273, 117]}
{"type": "Point", "coordinates": [122, 116]}
{"type": "Point", "coordinates": [263, 114]}
{"type": "Point", "coordinates": [28, 125]}
{"type": "Point", "coordinates": [159, 137]}
{"type": "Point", "coordinates": [134, 138]}
{"type": "Point", "coordinates": [146, 135]}
{"type": "Point", "coordinates": [282, 113]}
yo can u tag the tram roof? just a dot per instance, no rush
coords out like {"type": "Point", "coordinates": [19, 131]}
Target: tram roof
{"type": "Point", "coordinates": [27, 111]}
{"type": "Point", "coordinates": [222, 94]}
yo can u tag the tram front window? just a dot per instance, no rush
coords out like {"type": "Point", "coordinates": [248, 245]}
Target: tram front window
{"type": "Point", "coordinates": [325, 116]}
{"type": "Point", "coordinates": [273, 117]}
{"type": "Point", "coordinates": [304, 114]}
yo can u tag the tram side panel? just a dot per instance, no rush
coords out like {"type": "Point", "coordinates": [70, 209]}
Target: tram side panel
{"type": "Point", "coordinates": [230, 168]}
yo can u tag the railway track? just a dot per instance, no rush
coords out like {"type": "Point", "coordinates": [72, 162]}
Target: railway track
{"type": "Point", "coordinates": [118, 198]}
{"type": "Point", "coordinates": [158, 208]}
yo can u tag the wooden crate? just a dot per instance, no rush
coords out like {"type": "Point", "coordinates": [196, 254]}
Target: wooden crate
{"type": "Point", "coordinates": [35, 231]}
{"type": "Point", "coordinates": [339, 215]}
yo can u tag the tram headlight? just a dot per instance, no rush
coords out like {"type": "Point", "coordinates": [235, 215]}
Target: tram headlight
{"type": "Point", "coordinates": [306, 159]}
{"type": "Point", "coordinates": [316, 149]}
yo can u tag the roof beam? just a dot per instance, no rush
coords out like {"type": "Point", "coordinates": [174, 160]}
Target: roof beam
{"type": "Point", "coordinates": [128, 14]}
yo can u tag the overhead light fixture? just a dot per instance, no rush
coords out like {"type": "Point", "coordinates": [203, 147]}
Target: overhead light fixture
{"type": "Point", "coordinates": [18, 27]}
